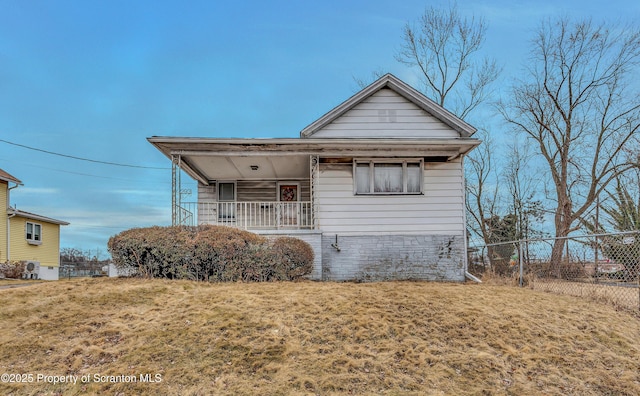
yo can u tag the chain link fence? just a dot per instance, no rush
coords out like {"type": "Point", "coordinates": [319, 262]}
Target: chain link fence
{"type": "Point", "coordinates": [603, 267]}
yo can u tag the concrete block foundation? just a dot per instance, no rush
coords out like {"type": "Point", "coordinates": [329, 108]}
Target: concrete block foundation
{"type": "Point", "coordinates": [393, 257]}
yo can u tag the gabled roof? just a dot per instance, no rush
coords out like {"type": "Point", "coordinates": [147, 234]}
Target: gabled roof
{"type": "Point", "coordinates": [34, 216]}
{"type": "Point", "coordinates": [8, 178]}
{"type": "Point", "coordinates": [412, 95]}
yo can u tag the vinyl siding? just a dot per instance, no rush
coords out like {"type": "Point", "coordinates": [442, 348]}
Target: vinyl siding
{"type": "Point", "coordinates": [439, 211]}
{"type": "Point", "coordinates": [47, 253]}
{"type": "Point", "coordinates": [386, 114]}
{"type": "Point", "coordinates": [254, 191]}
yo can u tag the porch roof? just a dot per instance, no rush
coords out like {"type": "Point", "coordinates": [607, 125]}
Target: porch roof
{"type": "Point", "coordinates": [207, 159]}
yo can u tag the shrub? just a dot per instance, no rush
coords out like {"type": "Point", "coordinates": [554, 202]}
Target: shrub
{"type": "Point", "coordinates": [219, 252]}
{"type": "Point", "coordinates": [292, 258]}
{"type": "Point", "coordinates": [12, 269]}
{"type": "Point", "coordinates": [210, 253]}
{"type": "Point", "coordinates": [153, 252]}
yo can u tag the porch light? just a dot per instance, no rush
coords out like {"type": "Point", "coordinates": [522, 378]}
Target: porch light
{"type": "Point", "coordinates": [254, 167]}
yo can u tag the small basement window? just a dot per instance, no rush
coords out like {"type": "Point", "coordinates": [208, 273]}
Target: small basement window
{"type": "Point", "coordinates": [387, 177]}
{"type": "Point", "coordinates": [34, 233]}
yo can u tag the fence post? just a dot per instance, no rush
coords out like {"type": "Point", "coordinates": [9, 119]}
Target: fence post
{"type": "Point", "coordinates": [596, 258]}
{"type": "Point", "coordinates": [521, 256]}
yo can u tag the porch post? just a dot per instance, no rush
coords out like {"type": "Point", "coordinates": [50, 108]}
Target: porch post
{"type": "Point", "coordinates": [314, 166]}
{"type": "Point", "coordinates": [175, 187]}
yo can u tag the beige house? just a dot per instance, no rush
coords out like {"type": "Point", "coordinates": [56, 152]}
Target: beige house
{"type": "Point", "coordinates": [376, 186]}
{"type": "Point", "coordinates": [28, 237]}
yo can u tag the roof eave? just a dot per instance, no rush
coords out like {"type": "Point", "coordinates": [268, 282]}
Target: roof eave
{"type": "Point", "coordinates": [4, 176]}
{"type": "Point", "coordinates": [171, 146]}
{"type": "Point", "coordinates": [34, 216]}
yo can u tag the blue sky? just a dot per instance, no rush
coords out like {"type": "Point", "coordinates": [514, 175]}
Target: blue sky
{"type": "Point", "coordinates": [94, 79]}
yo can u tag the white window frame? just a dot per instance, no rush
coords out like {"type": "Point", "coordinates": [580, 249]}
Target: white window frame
{"type": "Point", "coordinates": [372, 162]}
{"type": "Point", "coordinates": [36, 238]}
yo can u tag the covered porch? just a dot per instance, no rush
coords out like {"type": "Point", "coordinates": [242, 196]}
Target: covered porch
{"type": "Point", "coordinates": [245, 186]}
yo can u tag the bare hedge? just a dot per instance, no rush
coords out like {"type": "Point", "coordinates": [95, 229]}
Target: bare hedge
{"type": "Point", "coordinates": [210, 253]}
{"type": "Point", "coordinates": [12, 269]}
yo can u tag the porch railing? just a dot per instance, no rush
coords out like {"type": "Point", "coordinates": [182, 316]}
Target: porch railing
{"type": "Point", "coordinates": [248, 215]}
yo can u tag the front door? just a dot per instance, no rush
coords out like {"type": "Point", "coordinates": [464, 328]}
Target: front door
{"type": "Point", "coordinates": [288, 205]}
{"type": "Point", "coordinates": [226, 203]}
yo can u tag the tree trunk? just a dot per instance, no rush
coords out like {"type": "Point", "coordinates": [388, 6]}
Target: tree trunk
{"type": "Point", "coordinates": [563, 225]}
{"type": "Point", "coordinates": [556, 257]}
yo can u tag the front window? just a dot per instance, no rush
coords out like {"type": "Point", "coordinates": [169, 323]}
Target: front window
{"type": "Point", "coordinates": [34, 233]}
{"type": "Point", "coordinates": [388, 177]}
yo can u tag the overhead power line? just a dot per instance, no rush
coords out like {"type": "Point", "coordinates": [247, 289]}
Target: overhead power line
{"type": "Point", "coordinates": [80, 158]}
{"type": "Point", "coordinates": [30, 164]}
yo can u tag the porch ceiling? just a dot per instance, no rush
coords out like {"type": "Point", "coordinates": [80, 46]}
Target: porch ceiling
{"type": "Point", "coordinates": [243, 167]}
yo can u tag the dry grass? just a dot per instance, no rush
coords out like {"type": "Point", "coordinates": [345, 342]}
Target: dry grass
{"type": "Point", "coordinates": [620, 297]}
{"type": "Point", "coordinates": [315, 338]}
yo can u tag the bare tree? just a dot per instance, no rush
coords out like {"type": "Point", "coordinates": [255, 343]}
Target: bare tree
{"type": "Point", "coordinates": [501, 205]}
{"type": "Point", "coordinates": [72, 255]}
{"type": "Point", "coordinates": [575, 104]}
{"type": "Point", "coordinates": [442, 46]}
{"type": "Point", "coordinates": [521, 185]}
{"type": "Point", "coordinates": [483, 198]}
{"type": "Point", "coordinates": [363, 82]}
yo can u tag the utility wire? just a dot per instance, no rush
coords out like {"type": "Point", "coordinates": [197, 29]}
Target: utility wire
{"type": "Point", "coordinates": [80, 158]}
{"type": "Point", "coordinates": [83, 174]}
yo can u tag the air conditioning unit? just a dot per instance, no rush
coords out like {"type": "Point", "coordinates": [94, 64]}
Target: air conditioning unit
{"type": "Point", "coordinates": [32, 270]}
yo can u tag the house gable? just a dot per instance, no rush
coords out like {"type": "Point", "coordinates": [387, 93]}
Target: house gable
{"type": "Point", "coordinates": [388, 108]}
{"type": "Point", "coordinates": [386, 114]}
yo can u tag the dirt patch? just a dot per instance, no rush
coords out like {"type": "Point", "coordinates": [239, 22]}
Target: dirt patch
{"type": "Point", "coordinates": [11, 283]}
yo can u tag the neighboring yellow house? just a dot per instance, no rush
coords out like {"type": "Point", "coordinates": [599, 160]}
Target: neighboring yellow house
{"type": "Point", "coordinates": [27, 236]}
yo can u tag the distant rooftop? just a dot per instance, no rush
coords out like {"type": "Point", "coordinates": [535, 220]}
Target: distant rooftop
{"type": "Point", "coordinates": [8, 178]}
{"type": "Point", "coordinates": [34, 216]}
